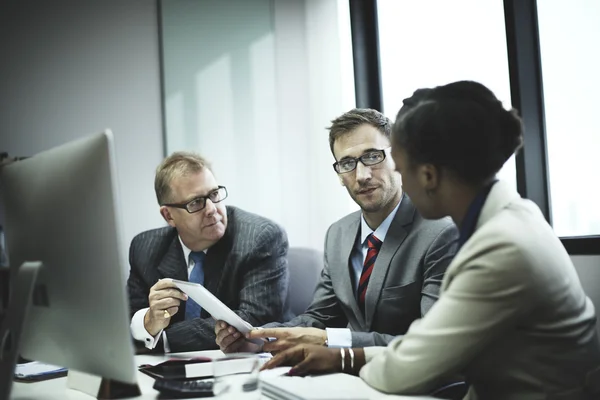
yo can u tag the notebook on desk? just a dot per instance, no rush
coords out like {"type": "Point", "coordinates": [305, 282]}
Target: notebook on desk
{"type": "Point", "coordinates": [279, 386]}
{"type": "Point", "coordinates": [195, 368]}
{"type": "Point", "coordinates": [175, 369]}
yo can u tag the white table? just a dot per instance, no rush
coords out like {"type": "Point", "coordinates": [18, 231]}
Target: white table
{"type": "Point", "coordinates": [56, 389]}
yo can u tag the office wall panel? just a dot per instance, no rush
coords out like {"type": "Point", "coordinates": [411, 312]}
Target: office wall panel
{"type": "Point", "coordinates": [70, 68]}
{"type": "Point", "coordinates": [252, 85]}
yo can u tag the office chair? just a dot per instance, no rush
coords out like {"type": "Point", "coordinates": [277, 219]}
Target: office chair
{"type": "Point", "coordinates": [305, 267]}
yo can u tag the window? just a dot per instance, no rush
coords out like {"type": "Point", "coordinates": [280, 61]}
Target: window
{"type": "Point", "coordinates": [569, 37]}
{"type": "Point", "coordinates": [428, 43]}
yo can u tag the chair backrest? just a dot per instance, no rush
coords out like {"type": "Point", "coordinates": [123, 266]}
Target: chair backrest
{"type": "Point", "coordinates": [305, 267]}
{"type": "Point", "coordinates": [588, 269]}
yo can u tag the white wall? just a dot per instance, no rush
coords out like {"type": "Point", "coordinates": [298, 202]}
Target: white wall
{"type": "Point", "coordinates": [251, 85]}
{"type": "Point", "coordinates": [71, 68]}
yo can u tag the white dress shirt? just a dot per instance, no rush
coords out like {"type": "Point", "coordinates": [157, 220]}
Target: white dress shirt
{"type": "Point", "coordinates": [139, 332]}
{"type": "Point", "coordinates": [342, 337]}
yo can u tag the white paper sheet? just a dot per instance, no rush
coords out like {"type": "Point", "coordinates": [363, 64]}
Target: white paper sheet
{"type": "Point", "coordinates": [212, 305]}
{"type": "Point", "coordinates": [275, 384]}
{"type": "Point", "coordinates": [320, 387]}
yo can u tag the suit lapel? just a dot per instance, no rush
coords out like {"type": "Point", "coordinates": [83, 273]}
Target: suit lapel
{"type": "Point", "coordinates": [346, 292]}
{"type": "Point", "coordinates": [173, 265]}
{"type": "Point", "coordinates": [216, 259]}
{"type": "Point", "coordinates": [216, 256]}
{"type": "Point", "coordinates": [347, 248]}
{"type": "Point", "coordinates": [396, 234]}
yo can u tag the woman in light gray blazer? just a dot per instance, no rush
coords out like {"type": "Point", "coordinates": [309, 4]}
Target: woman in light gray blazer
{"type": "Point", "coordinates": [512, 316]}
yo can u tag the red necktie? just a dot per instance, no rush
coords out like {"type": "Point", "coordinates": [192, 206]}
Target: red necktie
{"type": "Point", "coordinates": [373, 245]}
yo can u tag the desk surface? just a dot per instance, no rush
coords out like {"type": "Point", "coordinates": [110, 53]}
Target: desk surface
{"type": "Point", "coordinates": [56, 389]}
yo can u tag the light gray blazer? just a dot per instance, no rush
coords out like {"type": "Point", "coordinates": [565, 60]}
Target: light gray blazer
{"type": "Point", "coordinates": [512, 317]}
{"type": "Point", "coordinates": [404, 284]}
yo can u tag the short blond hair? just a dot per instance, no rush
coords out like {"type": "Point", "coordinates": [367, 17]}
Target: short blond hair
{"type": "Point", "coordinates": [180, 163]}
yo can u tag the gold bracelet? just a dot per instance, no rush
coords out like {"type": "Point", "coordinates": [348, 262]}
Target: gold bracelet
{"type": "Point", "coordinates": [343, 353]}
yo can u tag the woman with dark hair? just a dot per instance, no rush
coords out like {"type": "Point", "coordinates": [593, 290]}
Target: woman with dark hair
{"type": "Point", "coordinates": [512, 316]}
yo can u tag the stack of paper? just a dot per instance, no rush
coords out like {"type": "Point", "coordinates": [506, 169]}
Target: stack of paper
{"type": "Point", "coordinates": [276, 384]}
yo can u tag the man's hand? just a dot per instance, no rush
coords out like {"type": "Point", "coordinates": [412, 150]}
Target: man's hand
{"type": "Point", "coordinates": [230, 340]}
{"type": "Point", "coordinates": [306, 359]}
{"type": "Point", "coordinates": [164, 299]}
{"type": "Point", "coordinates": [289, 337]}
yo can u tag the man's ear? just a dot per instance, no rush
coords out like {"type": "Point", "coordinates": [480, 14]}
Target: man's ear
{"type": "Point", "coordinates": [166, 214]}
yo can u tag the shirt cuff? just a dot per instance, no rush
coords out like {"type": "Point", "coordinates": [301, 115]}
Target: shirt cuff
{"type": "Point", "coordinates": [139, 332]}
{"type": "Point", "coordinates": [339, 337]}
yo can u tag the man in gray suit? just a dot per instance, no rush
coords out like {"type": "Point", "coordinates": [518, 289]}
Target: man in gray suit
{"type": "Point", "coordinates": [238, 256]}
{"type": "Point", "coordinates": [383, 264]}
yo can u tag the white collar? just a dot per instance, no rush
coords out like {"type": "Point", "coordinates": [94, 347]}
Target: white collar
{"type": "Point", "coordinates": [186, 250]}
{"type": "Point", "coordinates": [501, 194]}
{"type": "Point", "coordinates": [382, 229]}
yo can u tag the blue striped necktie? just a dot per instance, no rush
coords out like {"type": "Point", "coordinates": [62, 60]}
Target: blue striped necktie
{"type": "Point", "coordinates": [192, 309]}
{"type": "Point", "coordinates": [373, 246]}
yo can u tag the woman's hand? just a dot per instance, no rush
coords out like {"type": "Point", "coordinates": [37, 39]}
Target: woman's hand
{"type": "Point", "coordinates": [306, 359]}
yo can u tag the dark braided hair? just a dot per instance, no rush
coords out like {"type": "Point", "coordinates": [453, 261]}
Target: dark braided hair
{"type": "Point", "coordinates": [461, 127]}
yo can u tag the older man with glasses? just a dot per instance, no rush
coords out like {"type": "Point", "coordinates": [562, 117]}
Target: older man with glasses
{"type": "Point", "coordinates": [383, 264]}
{"type": "Point", "coordinates": [238, 256]}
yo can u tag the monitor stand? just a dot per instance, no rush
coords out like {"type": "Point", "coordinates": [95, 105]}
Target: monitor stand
{"type": "Point", "coordinates": [19, 303]}
{"type": "Point", "coordinates": [21, 293]}
{"type": "Point", "coordinates": [101, 388]}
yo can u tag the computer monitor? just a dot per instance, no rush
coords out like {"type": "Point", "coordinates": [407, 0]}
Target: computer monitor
{"type": "Point", "coordinates": [61, 208]}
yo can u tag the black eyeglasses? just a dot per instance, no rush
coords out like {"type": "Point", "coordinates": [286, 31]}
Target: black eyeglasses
{"type": "Point", "coordinates": [372, 157]}
{"type": "Point", "coordinates": [198, 203]}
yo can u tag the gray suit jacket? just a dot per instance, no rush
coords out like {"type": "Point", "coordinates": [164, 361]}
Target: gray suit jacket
{"type": "Point", "coordinates": [246, 270]}
{"type": "Point", "coordinates": [404, 284]}
{"type": "Point", "coordinates": [512, 317]}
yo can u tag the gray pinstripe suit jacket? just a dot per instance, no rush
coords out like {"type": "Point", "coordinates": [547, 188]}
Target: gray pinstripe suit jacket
{"type": "Point", "coordinates": [404, 284]}
{"type": "Point", "coordinates": [246, 269]}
